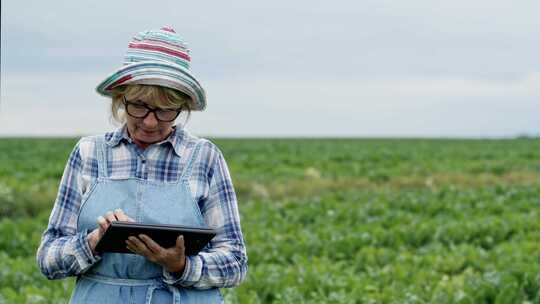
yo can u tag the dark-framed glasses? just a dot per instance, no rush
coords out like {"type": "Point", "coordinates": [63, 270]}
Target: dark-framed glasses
{"type": "Point", "coordinates": [141, 110]}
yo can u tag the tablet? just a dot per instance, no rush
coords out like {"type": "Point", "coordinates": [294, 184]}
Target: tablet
{"type": "Point", "coordinates": [114, 238]}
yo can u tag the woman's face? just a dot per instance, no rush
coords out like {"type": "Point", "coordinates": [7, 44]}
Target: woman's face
{"type": "Point", "coordinates": [148, 130]}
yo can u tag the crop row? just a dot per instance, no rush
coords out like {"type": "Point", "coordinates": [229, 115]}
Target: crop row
{"type": "Point", "coordinates": [410, 246]}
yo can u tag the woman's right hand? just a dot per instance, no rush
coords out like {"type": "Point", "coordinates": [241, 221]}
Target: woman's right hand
{"type": "Point", "coordinates": [103, 223]}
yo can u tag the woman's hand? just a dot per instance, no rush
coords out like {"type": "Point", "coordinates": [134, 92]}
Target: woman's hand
{"type": "Point", "coordinates": [103, 223]}
{"type": "Point", "coordinates": [172, 259]}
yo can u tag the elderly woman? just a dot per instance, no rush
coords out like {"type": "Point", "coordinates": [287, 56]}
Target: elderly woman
{"type": "Point", "coordinates": [149, 171]}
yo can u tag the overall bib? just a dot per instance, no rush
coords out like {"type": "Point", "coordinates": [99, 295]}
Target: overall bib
{"type": "Point", "coordinates": [130, 278]}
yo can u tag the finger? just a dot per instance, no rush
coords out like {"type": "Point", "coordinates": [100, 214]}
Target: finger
{"type": "Point", "coordinates": [153, 246]}
{"type": "Point", "coordinates": [139, 246]}
{"type": "Point", "coordinates": [129, 219]}
{"type": "Point", "coordinates": [120, 215]}
{"type": "Point", "coordinates": [102, 223]}
{"type": "Point", "coordinates": [132, 247]}
{"type": "Point", "coordinates": [109, 216]}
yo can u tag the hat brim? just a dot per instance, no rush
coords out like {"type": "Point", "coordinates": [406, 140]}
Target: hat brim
{"type": "Point", "coordinates": [156, 73]}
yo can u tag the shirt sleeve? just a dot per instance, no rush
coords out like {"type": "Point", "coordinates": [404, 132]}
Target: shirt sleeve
{"type": "Point", "coordinates": [64, 252]}
{"type": "Point", "coordinates": [223, 263]}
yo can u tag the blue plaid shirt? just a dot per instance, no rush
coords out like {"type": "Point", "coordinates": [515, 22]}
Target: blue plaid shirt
{"type": "Point", "coordinates": [65, 252]}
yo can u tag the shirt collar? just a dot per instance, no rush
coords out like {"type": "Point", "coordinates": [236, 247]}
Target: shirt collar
{"type": "Point", "coordinates": [117, 136]}
{"type": "Point", "coordinates": [177, 138]}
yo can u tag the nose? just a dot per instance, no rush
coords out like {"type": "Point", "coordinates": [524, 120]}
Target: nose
{"type": "Point", "coordinates": [150, 120]}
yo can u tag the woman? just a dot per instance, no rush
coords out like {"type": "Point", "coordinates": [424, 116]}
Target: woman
{"type": "Point", "coordinates": [147, 171]}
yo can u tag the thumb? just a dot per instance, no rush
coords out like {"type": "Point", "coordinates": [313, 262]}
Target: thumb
{"type": "Point", "coordinates": [180, 242]}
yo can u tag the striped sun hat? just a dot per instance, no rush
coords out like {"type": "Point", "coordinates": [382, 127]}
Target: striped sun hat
{"type": "Point", "coordinates": [157, 57]}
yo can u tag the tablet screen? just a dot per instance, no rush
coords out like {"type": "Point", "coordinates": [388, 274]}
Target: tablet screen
{"type": "Point", "coordinates": [114, 238]}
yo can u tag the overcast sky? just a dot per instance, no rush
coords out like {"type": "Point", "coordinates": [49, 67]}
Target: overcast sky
{"type": "Point", "coordinates": [456, 68]}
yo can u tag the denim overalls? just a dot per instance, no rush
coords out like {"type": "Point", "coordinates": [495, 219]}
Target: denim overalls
{"type": "Point", "coordinates": [129, 278]}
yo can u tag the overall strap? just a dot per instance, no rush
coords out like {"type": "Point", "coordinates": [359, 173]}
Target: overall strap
{"type": "Point", "coordinates": [189, 165]}
{"type": "Point", "coordinates": [101, 156]}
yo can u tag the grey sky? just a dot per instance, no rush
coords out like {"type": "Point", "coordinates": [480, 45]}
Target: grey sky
{"type": "Point", "coordinates": [287, 68]}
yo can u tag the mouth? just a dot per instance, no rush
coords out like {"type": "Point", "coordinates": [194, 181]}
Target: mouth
{"type": "Point", "coordinates": [149, 131]}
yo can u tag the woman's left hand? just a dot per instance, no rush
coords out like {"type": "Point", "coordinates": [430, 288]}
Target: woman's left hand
{"type": "Point", "coordinates": [172, 259]}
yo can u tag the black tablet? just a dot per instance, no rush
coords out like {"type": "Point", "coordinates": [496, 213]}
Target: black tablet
{"type": "Point", "coordinates": [114, 238]}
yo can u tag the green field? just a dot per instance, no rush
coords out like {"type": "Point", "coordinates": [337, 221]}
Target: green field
{"type": "Point", "coordinates": [333, 220]}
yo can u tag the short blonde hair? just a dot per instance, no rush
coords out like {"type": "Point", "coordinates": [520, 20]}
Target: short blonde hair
{"type": "Point", "coordinates": [156, 96]}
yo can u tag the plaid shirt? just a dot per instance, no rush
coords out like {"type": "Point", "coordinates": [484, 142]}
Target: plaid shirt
{"type": "Point", "coordinates": [64, 251]}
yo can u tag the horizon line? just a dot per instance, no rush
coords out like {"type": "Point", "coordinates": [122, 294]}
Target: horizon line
{"type": "Point", "coordinates": [302, 136]}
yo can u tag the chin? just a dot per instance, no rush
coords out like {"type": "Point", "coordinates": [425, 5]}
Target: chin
{"type": "Point", "coordinates": [141, 136]}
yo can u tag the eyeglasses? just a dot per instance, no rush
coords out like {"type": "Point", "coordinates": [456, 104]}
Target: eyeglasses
{"type": "Point", "coordinates": [140, 110]}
